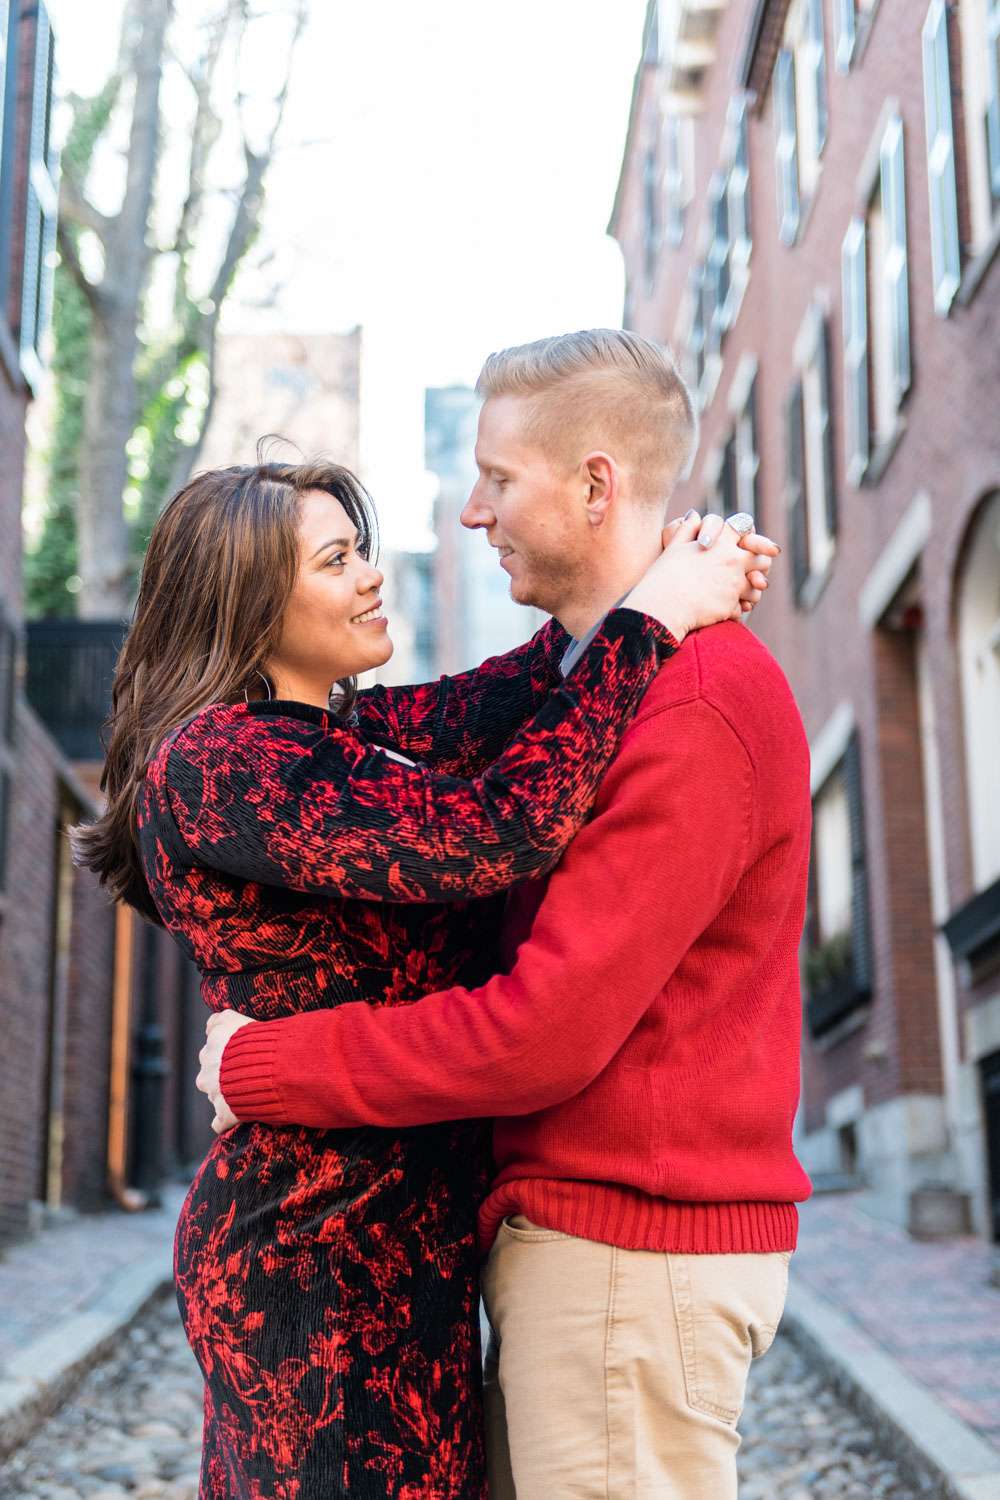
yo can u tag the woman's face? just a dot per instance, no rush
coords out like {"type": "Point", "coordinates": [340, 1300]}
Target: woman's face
{"type": "Point", "coordinates": [333, 626]}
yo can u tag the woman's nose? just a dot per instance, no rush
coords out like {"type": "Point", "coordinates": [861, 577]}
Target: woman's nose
{"type": "Point", "coordinates": [371, 579]}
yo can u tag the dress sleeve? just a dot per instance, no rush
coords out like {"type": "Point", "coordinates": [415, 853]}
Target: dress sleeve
{"type": "Point", "coordinates": [307, 805]}
{"type": "Point", "coordinates": [460, 724]}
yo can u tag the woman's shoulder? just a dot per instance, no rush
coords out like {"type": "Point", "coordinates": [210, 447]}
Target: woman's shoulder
{"type": "Point", "coordinates": [268, 728]}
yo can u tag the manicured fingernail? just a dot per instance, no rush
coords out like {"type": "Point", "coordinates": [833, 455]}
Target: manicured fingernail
{"type": "Point", "coordinates": [689, 513]}
{"type": "Point", "coordinates": [705, 540]}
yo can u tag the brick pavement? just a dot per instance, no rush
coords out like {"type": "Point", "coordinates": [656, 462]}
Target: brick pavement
{"type": "Point", "coordinates": [928, 1304]}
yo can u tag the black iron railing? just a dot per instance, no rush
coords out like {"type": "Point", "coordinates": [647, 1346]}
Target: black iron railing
{"type": "Point", "coordinates": [71, 665]}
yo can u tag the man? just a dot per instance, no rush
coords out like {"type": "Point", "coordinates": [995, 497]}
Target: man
{"type": "Point", "coordinates": [641, 1056]}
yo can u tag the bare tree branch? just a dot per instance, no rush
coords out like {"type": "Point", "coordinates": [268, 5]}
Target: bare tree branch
{"type": "Point", "coordinates": [71, 259]}
{"type": "Point", "coordinates": [74, 208]}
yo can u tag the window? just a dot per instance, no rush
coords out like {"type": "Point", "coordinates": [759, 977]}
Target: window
{"type": "Point", "coordinates": [851, 20]}
{"type": "Point", "coordinates": [718, 281]}
{"type": "Point", "coordinates": [8, 659]}
{"type": "Point", "coordinates": [800, 112]}
{"type": "Point", "coordinates": [876, 331]}
{"type": "Point", "coordinates": [980, 53]}
{"type": "Point", "coordinates": [838, 943]}
{"type": "Point", "coordinates": [855, 314]}
{"type": "Point", "coordinates": [676, 147]}
{"type": "Point", "coordinates": [811, 493]}
{"type": "Point", "coordinates": [43, 197]}
{"type": "Point", "coordinates": [942, 192]}
{"type": "Point", "coordinates": [889, 283]}
{"type": "Point", "coordinates": [786, 147]}
{"type": "Point", "coordinates": [735, 484]}
{"type": "Point", "coordinates": [979, 652]}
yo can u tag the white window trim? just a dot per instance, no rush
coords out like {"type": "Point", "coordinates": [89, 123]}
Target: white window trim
{"type": "Point", "coordinates": [855, 317]}
{"type": "Point", "coordinates": [41, 212]}
{"type": "Point", "coordinates": [894, 271]}
{"type": "Point", "coordinates": [941, 187]}
{"type": "Point", "coordinates": [786, 146]}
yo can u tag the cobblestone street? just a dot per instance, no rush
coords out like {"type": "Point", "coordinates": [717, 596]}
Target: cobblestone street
{"type": "Point", "coordinates": [134, 1429]}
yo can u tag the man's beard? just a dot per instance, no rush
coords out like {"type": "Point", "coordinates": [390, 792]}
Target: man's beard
{"type": "Point", "coordinates": [545, 583]}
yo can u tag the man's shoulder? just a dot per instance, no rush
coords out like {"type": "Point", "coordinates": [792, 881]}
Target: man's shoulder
{"type": "Point", "coordinates": [729, 669]}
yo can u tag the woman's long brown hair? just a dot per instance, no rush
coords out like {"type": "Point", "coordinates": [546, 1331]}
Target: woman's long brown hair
{"type": "Point", "coordinates": [218, 573]}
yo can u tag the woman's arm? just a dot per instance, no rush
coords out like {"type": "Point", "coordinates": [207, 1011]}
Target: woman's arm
{"type": "Point", "coordinates": [307, 805]}
{"type": "Point", "coordinates": [460, 724]}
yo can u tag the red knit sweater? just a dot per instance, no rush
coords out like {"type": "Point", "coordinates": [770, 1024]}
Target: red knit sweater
{"type": "Point", "coordinates": [642, 1056]}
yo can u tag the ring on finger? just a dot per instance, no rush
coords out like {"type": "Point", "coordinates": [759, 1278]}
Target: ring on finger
{"type": "Point", "coordinates": [742, 522]}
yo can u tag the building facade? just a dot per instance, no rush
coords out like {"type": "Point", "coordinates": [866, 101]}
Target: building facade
{"type": "Point", "coordinates": [809, 210]}
{"type": "Point", "coordinates": [97, 1013]}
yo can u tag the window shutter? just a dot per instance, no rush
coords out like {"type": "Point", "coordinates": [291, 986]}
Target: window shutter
{"type": "Point", "coordinates": [993, 93]}
{"type": "Point", "coordinates": [940, 158]}
{"type": "Point", "coordinates": [786, 151]}
{"type": "Point", "coordinates": [861, 943]}
{"type": "Point", "coordinates": [795, 480]}
{"type": "Point", "coordinates": [696, 341]}
{"type": "Point", "coordinates": [855, 314]}
{"type": "Point", "coordinates": [8, 662]}
{"type": "Point", "coordinates": [752, 423]}
{"type": "Point", "coordinates": [824, 361]}
{"type": "Point", "coordinates": [817, 58]}
{"type": "Point", "coordinates": [844, 32]}
{"type": "Point", "coordinates": [43, 200]}
{"type": "Point", "coordinates": [730, 502]}
{"type": "Point", "coordinates": [4, 823]}
{"type": "Point", "coordinates": [896, 288]}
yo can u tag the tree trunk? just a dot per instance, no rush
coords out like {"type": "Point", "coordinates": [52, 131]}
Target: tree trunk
{"type": "Point", "coordinates": [110, 412]}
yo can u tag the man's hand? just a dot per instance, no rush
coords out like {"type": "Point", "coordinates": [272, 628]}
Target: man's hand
{"type": "Point", "coordinates": [220, 1027]}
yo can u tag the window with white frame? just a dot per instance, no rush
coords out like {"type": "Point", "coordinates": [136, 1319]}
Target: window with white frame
{"type": "Point", "coordinates": [811, 490]}
{"type": "Point", "coordinates": [42, 205]}
{"type": "Point", "coordinates": [942, 191]}
{"type": "Point", "coordinates": [979, 22]}
{"type": "Point", "coordinates": [676, 151]}
{"type": "Point", "coordinates": [851, 19]}
{"type": "Point", "coordinates": [979, 651]}
{"type": "Point", "coordinates": [876, 326]}
{"type": "Point", "coordinates": [800, 112]}
{"type": "Point", "coordinates": [719, 279]}
{"type": "Point", "coordinates": [837, 930]}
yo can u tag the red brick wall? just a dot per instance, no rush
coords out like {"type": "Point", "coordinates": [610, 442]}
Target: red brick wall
{"type": "Point", "coordinates": [950, 447]}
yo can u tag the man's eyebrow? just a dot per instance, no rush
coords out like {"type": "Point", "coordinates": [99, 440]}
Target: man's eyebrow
{"type": "Point", "coordinates": [339, 541]}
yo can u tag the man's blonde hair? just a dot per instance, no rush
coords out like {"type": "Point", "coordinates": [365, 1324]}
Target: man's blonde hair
{"type": "Point", "coordinates": [601, 389]}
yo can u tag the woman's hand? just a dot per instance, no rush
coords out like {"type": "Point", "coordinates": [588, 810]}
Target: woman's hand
{"type": "Point", "coordinates": [683, 594]}
{"type": "Point", "coordinates": [219, 1027]}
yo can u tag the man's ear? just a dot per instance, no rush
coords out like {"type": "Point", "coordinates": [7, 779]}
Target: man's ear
{"type": "Point", "coordinates": [601, 485]}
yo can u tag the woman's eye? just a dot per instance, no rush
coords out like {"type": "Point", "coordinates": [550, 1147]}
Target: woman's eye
{"type": "Point", "coordinates": [337, 561]}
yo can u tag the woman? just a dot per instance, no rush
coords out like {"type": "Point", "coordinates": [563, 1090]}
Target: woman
{"type": "Point", "coordinates": [327, 1281]}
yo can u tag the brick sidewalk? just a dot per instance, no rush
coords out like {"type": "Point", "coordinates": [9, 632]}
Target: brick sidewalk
{"type": "Point", "coordinates": [928, 1304]}
{"type": "Point", "coordinates": [65, 1269]}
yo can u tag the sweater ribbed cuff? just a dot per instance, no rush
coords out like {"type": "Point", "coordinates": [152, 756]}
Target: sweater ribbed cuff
{"type": "Point", "coordinates": [246, 1076]}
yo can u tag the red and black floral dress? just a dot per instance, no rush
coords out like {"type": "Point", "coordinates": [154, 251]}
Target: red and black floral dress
{"type": "Point", "coordinates": [328, 1280]}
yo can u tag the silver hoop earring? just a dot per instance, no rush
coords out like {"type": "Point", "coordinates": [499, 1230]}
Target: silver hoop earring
{"type": "Point", "coordinates": [257, 673]}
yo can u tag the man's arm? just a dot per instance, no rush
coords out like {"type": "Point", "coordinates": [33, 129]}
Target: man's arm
{"type": "Point", "coordinates": [637, 886]}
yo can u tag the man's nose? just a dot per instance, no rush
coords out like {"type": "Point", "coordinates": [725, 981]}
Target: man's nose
{"type": "Point", "coordinates": [475, 511]}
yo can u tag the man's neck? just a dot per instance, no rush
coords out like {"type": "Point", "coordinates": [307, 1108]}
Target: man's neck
{"type": "Point", "coordinates": [581, 613]}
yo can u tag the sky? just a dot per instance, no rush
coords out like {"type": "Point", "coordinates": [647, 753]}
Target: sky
{"type": "Point", "coordinates": [444, 178]}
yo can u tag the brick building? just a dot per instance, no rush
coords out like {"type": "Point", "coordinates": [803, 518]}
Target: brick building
{"type": "Point", "coordinates": [809, 210]}
{"type": "Point", "coordinates": [74, 1009]}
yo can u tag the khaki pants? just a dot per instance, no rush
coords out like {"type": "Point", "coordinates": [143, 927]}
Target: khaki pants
{"type": "Point", "coordinates": [619, 1374]}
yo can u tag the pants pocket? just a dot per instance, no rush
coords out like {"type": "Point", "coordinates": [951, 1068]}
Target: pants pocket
{"type": "Point", "coordinates": [520, 1228]}
{"type": "Point", "coordinates": [727, 1309]}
